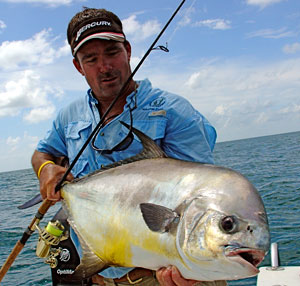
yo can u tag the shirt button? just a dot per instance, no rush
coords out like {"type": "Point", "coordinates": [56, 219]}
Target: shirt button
{"type": "Point", "coordinates": [102, 166]}
{"type": "Point", "coordinates": [102, 134]}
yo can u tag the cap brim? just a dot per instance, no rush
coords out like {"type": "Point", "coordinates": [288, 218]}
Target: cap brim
{"type": "Point", "coordinates": [102, 36]}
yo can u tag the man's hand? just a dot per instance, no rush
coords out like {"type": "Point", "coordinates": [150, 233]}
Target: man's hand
{"type": "Point", "coordinates": [49, 178]}
{"type": "Point", "coordinates": [98, 280]}
{"type": "Point", "coordinates": [170, 276]}
{"type": "Point", "coordinates": [49, 174]}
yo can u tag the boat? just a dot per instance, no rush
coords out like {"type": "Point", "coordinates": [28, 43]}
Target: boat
{"type": "Point", "coordinates": [276, 275]}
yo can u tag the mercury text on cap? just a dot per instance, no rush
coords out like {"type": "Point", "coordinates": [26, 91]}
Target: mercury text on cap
{"type": "Point", "coordinates": [91, 25]}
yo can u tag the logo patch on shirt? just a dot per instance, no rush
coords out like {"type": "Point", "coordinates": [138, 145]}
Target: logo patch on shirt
{"type": "Point", "coordinates": [158, 113]}
{"type": "Point", "coordinates": [158, 102]}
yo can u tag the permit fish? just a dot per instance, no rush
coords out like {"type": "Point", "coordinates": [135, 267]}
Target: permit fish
{"type": "Point", "coordinates": [151, 211]}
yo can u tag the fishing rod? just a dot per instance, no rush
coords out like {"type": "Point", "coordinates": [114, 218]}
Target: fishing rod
{"type": "Point", "coordinates": [47, 203]}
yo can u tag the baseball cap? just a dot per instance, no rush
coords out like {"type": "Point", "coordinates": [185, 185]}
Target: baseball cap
{"type": "Point", "coordinates": [94, 24]}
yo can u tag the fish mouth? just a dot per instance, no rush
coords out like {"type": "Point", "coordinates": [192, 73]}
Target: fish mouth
{"type": "Point", "coordinates": [247, 257]}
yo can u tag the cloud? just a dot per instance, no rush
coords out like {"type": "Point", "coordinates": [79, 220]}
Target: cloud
{"type": "Point", "coordinates": [2, 26]}
{"type": "Point", "coordinates": [245, 77]}
{"type": "Point", "coordinates": [37, 50]}
{"type": "Point", "coordinates": [53, 3]}
{"type": "Point", "coordinates": [39, 114]}
{"type": "Point", "coordinates": [262, 3]}
{"type": "Point", "coordinates": [19, 142]}
{"type": "Point", "coordinates": [139, 32]}
{"type": "Point", "coordinates": [292, 48]}
{"type": "Point", "coordinates": [184, 21]}
{"type": "Point", "coordinates": [16, 151]}
{"type": "Point", "coordinates": [245, 97]}
{"type": "Point", "coordinates": [272, 34]}
{"type": "Point", "coordinates": [187, 14]}
{"type": "Point", "coordinates": [294, 108]}
{"type": "Point", "coordinates": [13, 142]}
{"type": "Point", "coordinates": [31, 141]}
{"type": "Point", "coordinates": [220, 110]}
{"type": "Point", "coordinates": [65, 50]}
{"type": "Point", "coordinates": [215, 24]}
{"type": "Point", "coordinates": [27, 93]}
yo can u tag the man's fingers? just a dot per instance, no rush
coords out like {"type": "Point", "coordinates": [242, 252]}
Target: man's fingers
{"type": "Point", "coordinates": [97, 279]}
{"type": "Point", "coordinates": [170, 276]}
{"type": "Point", "coordinates": [164, 277]}
{"type": "Point", "coordinates": [70, 177]}
{"type": "Point", "coordinates": [52, 195]}
{"type": "Point", "coordinates": [180, 281]}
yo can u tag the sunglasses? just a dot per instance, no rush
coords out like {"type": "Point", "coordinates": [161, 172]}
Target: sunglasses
{"type": "Point", "coordinates": [125, 143]}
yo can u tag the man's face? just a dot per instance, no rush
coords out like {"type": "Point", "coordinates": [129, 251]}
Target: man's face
{"type": "Point", "coordinates": [105, 65]}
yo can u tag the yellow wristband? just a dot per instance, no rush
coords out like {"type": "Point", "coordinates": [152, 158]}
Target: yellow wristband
{"type": "Point", "coordinates": [42, 166]}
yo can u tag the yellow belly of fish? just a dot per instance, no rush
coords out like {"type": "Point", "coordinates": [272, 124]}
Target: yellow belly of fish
{"type": "Point", "coordinates": [117, 239]}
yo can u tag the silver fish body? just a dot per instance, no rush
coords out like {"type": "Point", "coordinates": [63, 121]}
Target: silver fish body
{"type": "Point", "coordinates": [208, 221]}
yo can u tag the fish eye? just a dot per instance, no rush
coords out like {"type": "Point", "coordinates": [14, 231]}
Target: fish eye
{"type": "Point", "coordinates": [228, 224]}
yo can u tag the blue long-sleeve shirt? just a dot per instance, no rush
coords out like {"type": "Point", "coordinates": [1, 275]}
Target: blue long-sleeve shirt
{"type": "Point", "coordinates": [170, 120]}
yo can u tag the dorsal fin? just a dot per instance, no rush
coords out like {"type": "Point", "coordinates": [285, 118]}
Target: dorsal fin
{"type": "Point", "coordinates": [150, 150]}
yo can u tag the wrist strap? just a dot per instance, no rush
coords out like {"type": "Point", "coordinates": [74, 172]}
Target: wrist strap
{"type": "Point", "coordinates": [42, 166]}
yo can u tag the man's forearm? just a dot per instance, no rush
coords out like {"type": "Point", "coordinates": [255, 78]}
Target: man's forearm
{"type": "Point", "coordinates": [39, 158]}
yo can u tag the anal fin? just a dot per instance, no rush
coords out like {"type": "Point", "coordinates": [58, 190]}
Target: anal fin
{"type": "Point", "coordinates": [90, 263]}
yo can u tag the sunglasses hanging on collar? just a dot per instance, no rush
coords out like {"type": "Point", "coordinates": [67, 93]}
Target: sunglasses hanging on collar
{"type": "Point", "coordinates": [125, 143]}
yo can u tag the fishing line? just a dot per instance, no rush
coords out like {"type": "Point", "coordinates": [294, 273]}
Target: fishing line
{"type": "Point", "coordinates": [164, 48]}
{"type": "Point", "coordinates": [179, 25]}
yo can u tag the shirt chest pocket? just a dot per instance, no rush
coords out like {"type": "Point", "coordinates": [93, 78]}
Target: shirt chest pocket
{"type": "Point", "coordinates": [76, 135]}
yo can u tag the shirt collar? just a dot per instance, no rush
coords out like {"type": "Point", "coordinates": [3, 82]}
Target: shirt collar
{"type": "Point", "coordinates": [91, 97]}
{"type": "Point", "coordinates": [143, 86]}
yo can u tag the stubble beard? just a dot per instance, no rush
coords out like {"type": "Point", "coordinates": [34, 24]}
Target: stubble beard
{"type": "Point", "coordinates": [108, 91]}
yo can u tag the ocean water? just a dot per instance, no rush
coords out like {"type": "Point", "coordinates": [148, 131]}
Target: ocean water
{"type": "Point", "coordinates": [271, 163]}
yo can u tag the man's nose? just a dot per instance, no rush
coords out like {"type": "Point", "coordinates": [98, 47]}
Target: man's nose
{"type": "Point", "coordinates": [104, 65]}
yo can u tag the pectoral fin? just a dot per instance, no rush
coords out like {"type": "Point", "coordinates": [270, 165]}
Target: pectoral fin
{"type": "Point", "coordinates": [159, 218]}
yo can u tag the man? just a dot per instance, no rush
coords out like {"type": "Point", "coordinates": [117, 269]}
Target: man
{"type": "Point", "coordinates": [102, 55]}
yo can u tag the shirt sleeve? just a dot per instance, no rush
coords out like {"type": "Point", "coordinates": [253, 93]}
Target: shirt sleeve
{"type": "Point", "coordinates": [189, 135]}
{"type": "Point", "coordinates": [54, 141]}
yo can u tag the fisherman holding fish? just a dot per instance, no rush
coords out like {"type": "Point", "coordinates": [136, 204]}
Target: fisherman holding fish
{"type": "Point", "coordinates": [102, 55]}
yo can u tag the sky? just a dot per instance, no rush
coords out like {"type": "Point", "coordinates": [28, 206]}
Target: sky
{"type": "Point", "coordinates": [236, 61]}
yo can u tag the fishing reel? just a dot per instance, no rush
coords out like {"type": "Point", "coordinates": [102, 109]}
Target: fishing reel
{"type": "Point", "coordinates": [50, 236]}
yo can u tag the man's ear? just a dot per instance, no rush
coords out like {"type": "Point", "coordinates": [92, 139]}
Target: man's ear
{"type": "Point", "coordinates": [128, 49]}
{"type": "Point", "coordinates": [78, 66]}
